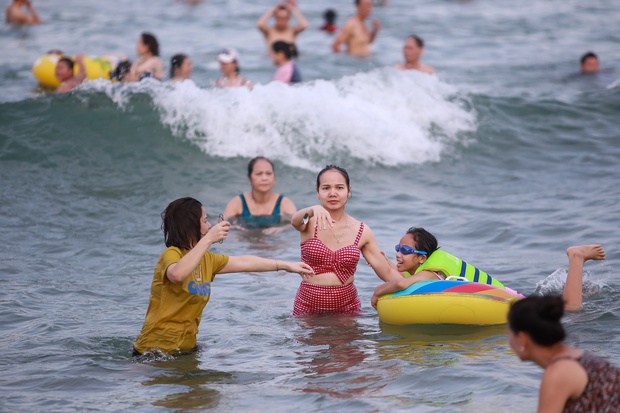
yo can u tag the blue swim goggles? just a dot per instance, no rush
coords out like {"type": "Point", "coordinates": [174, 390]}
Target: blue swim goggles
{"type": "Point", "coordinates": [407, 250]}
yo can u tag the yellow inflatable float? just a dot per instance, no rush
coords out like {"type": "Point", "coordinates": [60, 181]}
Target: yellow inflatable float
{"type": "Point", "coordinates": [451, 301]}
{"type": "Point", "coordinates": [44, 68]}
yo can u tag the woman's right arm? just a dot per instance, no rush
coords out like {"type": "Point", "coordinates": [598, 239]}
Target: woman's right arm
{"type": "Point", "coordinates": [179, 271]}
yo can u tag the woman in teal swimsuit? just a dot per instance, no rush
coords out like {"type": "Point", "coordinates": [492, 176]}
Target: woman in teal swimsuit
{"type": "Point", "coordinates": [261, 207]}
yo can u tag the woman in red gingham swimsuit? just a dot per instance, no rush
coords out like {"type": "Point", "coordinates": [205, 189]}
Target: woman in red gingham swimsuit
{"type": "Point", "coordinates": [330, 290]}
{"type": "Point", "coordinates": [315, 299]}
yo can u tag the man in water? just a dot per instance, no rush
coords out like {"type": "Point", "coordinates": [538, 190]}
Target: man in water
{"type": "Point", "coordinates": [589, 63]}
{"type": "Point", "coordinates": [64, 73]}
{"type": "Point", "coordinates": [354, 34]}
{"type": "Point", "coordinates": [412, 51]}
{"type": "Point", "coordinates": [281, 31]}
{"type": "Point", "coordinates": [15, 14]}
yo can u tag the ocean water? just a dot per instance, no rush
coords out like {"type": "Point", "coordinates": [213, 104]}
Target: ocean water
{"type": "Point", "coordinates": [508, 156]}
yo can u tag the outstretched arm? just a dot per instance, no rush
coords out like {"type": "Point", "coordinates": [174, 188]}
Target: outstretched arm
{"type": "Point", "coordinates": [247, 263]}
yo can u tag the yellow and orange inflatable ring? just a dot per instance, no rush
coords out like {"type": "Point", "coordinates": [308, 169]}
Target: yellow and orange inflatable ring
{"type": "Point", "coordinates": [447, 302]}
{"type": "Point", "coordinates": [44, 68]}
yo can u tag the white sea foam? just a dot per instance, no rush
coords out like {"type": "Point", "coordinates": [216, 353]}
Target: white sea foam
{"type": "Point", "coordinates": [384, 116]}
{"type": "Point", "coordinates": [554, 283]}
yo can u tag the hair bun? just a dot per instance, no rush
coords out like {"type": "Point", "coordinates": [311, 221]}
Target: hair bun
{"type": "Point", "coordinates": [551, 308]}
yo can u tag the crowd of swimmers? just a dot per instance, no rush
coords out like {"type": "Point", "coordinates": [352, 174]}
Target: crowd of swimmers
{"type": "Point", "coordinates": [354, 37]}
{"type": "Point", "coordinates": [332, 241]}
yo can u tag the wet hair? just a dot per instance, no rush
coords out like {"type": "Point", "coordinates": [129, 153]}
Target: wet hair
{"type": "Point", "coordinates": [121, 70]}
{"type": "Point", "coordinates": [283, 47]}
{"type": "Point", "coordinates": [151, 42]}
{"type": "Point", "coordinates": [55, 51]}
{"type": "Point", "coordinates": [253, 162]}
{"type": "Point", "coordinates": [338, 169]}
{"type": "Point", "coordinates": [176, 62]}
{"type": "Point", "coordinates": [587, 56]}
{"type": "Point", "coordinates": [329, 16]}
{"type": "Point", "coordinates": [418, 40]}
{"type": "Point", "coordinates": [181, 223]}
{"type": "Point", "coordinates": [70, 63]}
{"type": "Point", "coordinates": [539, 316]}
{"type": "Point", "coordinates": [424, 240]}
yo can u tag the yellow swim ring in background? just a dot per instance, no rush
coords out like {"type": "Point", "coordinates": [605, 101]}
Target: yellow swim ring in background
{"type": "Point", "coordinates": [44, 68]}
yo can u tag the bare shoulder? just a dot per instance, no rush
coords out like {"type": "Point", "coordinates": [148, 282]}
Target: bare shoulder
{"type": "Point", "coordinates": [233, 208]}
{"type": "Point", "coordinates": [350, 23]}
{"type": "Point", "coordinates": [367, 235]}
{"type": "Point", "coordinates": [568, 374]}
{"type": "Point", "coordinates": [288, 207]}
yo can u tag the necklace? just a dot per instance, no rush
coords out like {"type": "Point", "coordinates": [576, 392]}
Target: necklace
{"type": "Point", "coordinates": [198, 278]}
{"type": "Point", "coordinates": [343, 233]}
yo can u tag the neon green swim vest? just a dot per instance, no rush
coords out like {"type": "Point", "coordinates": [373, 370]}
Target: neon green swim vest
{"type": "Point", "coordinates": [448, 264]}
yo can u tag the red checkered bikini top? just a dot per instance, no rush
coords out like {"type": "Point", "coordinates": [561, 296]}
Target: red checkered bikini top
{"type": "Point", "coordinates": [342, 262]}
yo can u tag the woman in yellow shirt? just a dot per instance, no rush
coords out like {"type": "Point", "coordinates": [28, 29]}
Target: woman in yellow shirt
{"type": "Point", "coordinates": [181, 284]}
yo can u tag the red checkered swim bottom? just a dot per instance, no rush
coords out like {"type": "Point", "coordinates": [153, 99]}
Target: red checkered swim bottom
{"type": "Point", "coordinates": [319, 299]}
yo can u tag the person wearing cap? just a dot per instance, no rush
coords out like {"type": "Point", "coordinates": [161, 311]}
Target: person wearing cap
{"type": "Point", "coordinates": [282, 54]}
{"type": "Point", "coordinates": [412, 51]}
{"type": "Point", "coordinates": [281, 31]}
{"type": "Point", "coordinates": [229, 66]}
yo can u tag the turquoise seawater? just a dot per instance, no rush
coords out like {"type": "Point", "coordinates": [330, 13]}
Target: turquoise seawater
{"type": "Point", "coordinates": [508, 156]}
